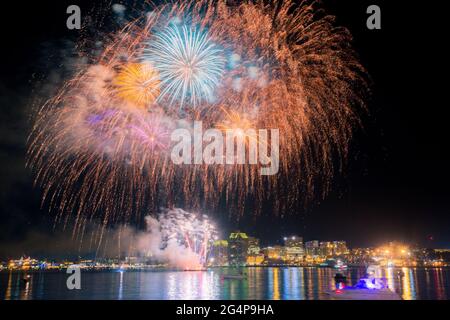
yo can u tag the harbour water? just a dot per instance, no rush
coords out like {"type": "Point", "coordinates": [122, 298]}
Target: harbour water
{"type": "Point", "coordinates": [261, 283]}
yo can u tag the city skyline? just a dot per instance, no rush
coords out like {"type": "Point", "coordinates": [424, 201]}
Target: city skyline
{"type": "Point", "coordinates": [243, 246]}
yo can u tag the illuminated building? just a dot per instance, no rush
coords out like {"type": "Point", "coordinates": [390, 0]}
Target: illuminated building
{"type": "Point", "coordinates": [394, 254]}
{"type": "Point", "coordinates": [24, 264]}
{"type": "Point", "coordinates": [442, 255]}
{"type": "Point", "coordinates": [340, 248]}
{"type": "Point", "coordinates": [294, 250]}
{"type": "Point", "coordinates": [329, 249]}
{"type": "Point", "coordinates": [312, 248]}
{"type": "Point", "coordinates": [360, 256]}
{"type": "Point", "coordinates": [253, 246]}
{"type": "Point", "coordinates": [86, 263]}
{"type": "Point", "coordinates": [273, 254]}
{"type": "Point", "coordinates": [326, 249]}
{"type": "Point", "coordinates": [237, 248]}
{"type": "Point", "coordinates": [219, 253]}
{"type": "Point", "coordinates": [255, 260]}
{"type": "Point", "coordinates": [446, 251]}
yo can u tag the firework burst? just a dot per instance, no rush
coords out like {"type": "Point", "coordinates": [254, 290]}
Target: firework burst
{"type": "Point", "coordinates": [99, 153]}
{"type": "Point", "coordinates": [193, 231]}
{"type": "Point", "coordinates": [190, 64]}
{"type": "Point", "coordinates": [137, 83]}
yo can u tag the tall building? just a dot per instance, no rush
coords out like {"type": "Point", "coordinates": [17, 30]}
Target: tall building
{"type": "Point", "coordinates": [312, 248]}
{"type": "Point", "coordinates": [329, 249]}
{"type": "Point", "coordinates": [219, 253]}
{"type": "Point", "coordinates": [340, 248]}
{"type": "Point", "coordinates": [237, 248]}
{"type": "Point", "coordinates": [294, 250]}
{"type": "Point", "coordinates": [253, 246]}
{"type": "Point", "coordinates": [326, 249]}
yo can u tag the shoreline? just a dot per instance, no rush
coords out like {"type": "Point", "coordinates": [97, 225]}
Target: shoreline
{"type": "Point", "coordinates": [162, 269]}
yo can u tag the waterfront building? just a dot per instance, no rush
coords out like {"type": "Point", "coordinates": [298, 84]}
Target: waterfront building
{"type": "Point", "coordinates": [255, 260]}
{"type": "Point", "coordinates": [326, 249]}
{"type": "Point", "coordinates": [253, 246]}
{"type": "Point", "coordinates": [312, 248]}
{"type": "Point", "coordinates": [237, 248]}
{"type": "Point", "coordinates": [340, 248]}
{"type": "Point", "coordinates": [442, 255]}
{"type": "Point", "coordinates": [86, 263]}
{"type": "Point", "coordinates": [24, 264]}
{"type": "Point", "coordinates": [293, 249]}
{"type": "Point", "coordinates": [273, 254]}
{"type": "Point", "coordinates": [330, 249]}
{"type": "Point", "coordinates": [394, 254]}
{"type": "Point", "coordinates": [360, 256]}
{"type": "Point", "coordinates": [219, 253]}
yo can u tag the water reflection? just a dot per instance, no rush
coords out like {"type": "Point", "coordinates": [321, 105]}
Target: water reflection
{"type": "Point", "coordinates": [260, 284]}
{"type": "Point", "coordinates": [276, 283]}
{"type": "Point", "coordinates": [187, 285]}
{"type": "Point", "coordinates": [292, 286]}
{"type": "Point", "coordinates": [390, 278]}
{"type": "Point", "coordinates": [120, 297]}
{"type": "Point", "coordinates": [406, 285]}
{"type": "Point", "coordinates": [440, 284]}
{"type": "Point", "coordinates": [9, 287]}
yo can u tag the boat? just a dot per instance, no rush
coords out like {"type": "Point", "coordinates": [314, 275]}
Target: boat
{"type": "Point", "coordinates": [368, 288]}
{"type": "Point", "coordinates": [200, 269]}
{"type": "Point", "coordinates": [233, 277]}
{"type": "Point", "coordinates": [25, 279]}
{"type": "Point", "coordinates": [340, 265]}
{"type": "Point", "coordinates": [363, 294]}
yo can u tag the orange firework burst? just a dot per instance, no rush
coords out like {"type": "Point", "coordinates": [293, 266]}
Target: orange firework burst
{"type": "Point", "coordinates": [137, 83]}
{"type": "Point", "coordinates": [241, 124]}
{"type": "Point", "coordinates": [236, 121]}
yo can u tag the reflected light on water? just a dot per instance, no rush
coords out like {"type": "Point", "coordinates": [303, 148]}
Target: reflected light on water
{"type": "Point", "coordinates": [390, 278]}
{"type": "Point", "coordinates": [309, 283]}
{"type": "Point", "coordinates": [8, 288]}
{"type": "Point", "coordinates": [120, 297]}
{"type": "Point", "coordinates": [406, 285]}
{"type": "Point", "coordinates": [291, 284]}
{"type": "Point", "coordinates": [192, 285]}
{"type": "Point", "coordinates": [276, 283]}
{"type": "Point", "coordinates": [260, 283]}
{"type": "Point", "coordinates": [439, 279]}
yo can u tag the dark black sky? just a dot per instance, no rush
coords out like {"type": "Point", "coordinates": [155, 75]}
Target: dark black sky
{"type": "Point", "coordinates": [395, 185]}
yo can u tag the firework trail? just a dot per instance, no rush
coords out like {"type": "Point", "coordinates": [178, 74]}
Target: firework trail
{"type": "Point", "coordinates": [100, 147]}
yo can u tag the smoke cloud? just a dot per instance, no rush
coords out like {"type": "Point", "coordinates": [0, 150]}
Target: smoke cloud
{"type": "Point", "coordinates": [154, 242]}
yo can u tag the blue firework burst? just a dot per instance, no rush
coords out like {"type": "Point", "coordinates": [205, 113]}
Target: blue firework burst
{"type": "Point", "coordinates": [189, 63]}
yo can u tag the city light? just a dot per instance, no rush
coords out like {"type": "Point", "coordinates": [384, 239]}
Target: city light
{"type": "Point", "coordinates": [240, 249]}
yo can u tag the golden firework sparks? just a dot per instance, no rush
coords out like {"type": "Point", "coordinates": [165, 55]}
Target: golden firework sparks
{"type": "Point", "coordinates": [137, 83]}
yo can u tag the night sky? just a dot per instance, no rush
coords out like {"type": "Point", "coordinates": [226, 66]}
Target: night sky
{"type": "Point", "coordinates": [394, 186]}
